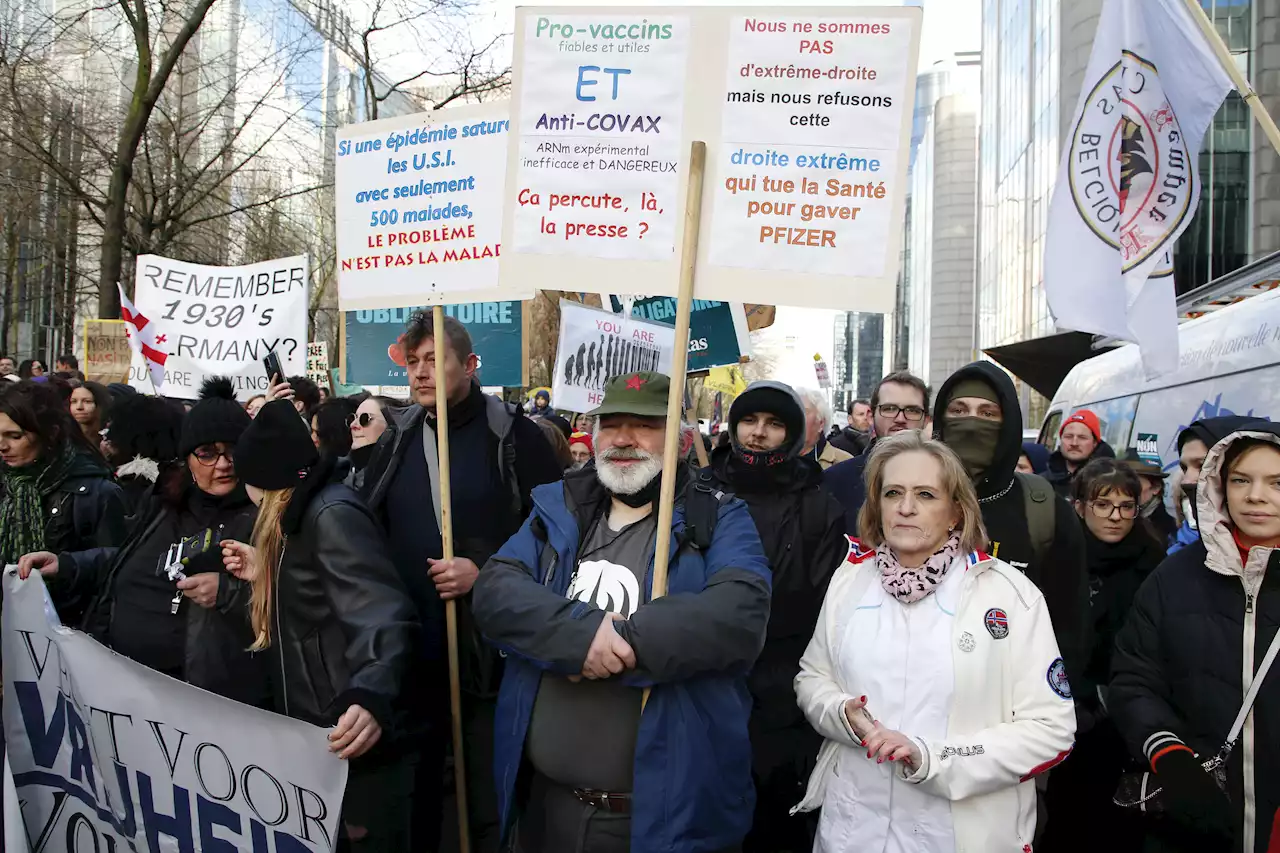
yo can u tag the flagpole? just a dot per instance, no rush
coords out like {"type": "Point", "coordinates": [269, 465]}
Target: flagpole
{"type": "Point", "coordinates": [1237, 77]}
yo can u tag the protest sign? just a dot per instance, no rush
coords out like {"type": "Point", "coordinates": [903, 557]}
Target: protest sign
{"type": "Point", "coordinates": [221, 321]}
{"type": "Point", "coordinates": [373, 356]}
{"type": "Point", "coordinates": [108, 755]}
{"type": "Point", "coordinates": [318, 362]}
{"type": "Point", "coordinates": [806, 113]}
{"type": "Point", "coordinates": [419, 208]}
{"type": "Point", "coordinates": [107, 354]}
{"type": "Point", "coordinates": [820, 370]}
{"type": "Point", "coordinates": [596, 346]}
{"type": "Point", "coordinates": [717, 330]}
{"type": "Point", "coordinates": [600, 111]}
{"type": "Point", "coordinates": [725, 380]}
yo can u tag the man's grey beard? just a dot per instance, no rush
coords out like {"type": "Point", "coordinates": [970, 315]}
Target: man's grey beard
{"type": "Point", "coordinates": [629, 479]}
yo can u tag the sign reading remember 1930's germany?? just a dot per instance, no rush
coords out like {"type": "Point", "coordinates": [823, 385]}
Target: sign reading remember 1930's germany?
{"type": "Point", "coordinates": [221, 321]}
{"type": "Point", "coordinates": [419, 208]}
{"type": "Point", "coordinates": [806, 113]}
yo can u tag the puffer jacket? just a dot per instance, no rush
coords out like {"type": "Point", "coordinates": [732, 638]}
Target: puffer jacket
{"type": "Point", "coordinates": [1010, 717]}
{"type": "Point", "coordinates": [1199, 626]}
{"type": "Point", "coordinates": [345, 629]}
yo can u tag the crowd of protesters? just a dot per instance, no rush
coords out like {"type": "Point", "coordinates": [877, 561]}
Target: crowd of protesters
{"type": "Point", "coordinates": [912, 633]}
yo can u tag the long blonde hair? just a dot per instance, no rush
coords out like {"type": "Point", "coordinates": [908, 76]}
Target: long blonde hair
{"type": "Point", "coordinates": [268, 542]}
{"type": "Point", "coordinates": [955, 483]}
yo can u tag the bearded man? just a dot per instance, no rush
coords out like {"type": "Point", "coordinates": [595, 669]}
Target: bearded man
{"type": "Point", "coordinates": [569, 599]}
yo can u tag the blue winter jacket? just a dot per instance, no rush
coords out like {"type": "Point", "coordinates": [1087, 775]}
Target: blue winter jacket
{"type": "Point", "coordinates": [692, 790]}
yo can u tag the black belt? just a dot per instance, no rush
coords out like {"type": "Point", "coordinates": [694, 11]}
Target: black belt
{"type": "Point", "coordinates": [603, 800]}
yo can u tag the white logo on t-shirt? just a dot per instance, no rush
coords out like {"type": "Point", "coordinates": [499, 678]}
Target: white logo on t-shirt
{"type": "Point", "coordinates": [606, 585]}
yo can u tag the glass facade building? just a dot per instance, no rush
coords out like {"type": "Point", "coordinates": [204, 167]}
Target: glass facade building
{"type": "Point", "coordinates": [1034, 54]}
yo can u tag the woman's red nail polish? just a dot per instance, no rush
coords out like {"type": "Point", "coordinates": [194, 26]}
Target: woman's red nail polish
{"type": "Point", "coordinates": [862, 698]}
{"type": "Point", "coordinates": [868, 755]}
{"type": "Point", "coordinates": [879, 761]}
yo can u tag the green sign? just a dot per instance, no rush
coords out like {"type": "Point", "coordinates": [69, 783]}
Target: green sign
{"type": "Point", "coordinates": [713, 339]}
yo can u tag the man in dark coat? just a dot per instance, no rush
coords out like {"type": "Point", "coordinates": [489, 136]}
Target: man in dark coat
{"type": "Point", "coordinates": [497, 457]}
{"type": "Point", "coordinates": [801, 528]}
{"type": "Point", "coordinates": [977, 415]}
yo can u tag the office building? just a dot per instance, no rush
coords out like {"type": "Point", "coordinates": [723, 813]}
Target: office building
{"type": "Point", "coordinates": [1034, 57]}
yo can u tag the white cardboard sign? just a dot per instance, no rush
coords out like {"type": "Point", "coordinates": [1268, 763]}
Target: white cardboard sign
{"type": "Point", "coordinates": [419, 209]}
{"type": "Point", "coordinates": [221, 321]}
{"type": "Point", "coordinates": [596, 346]}
{"type": "Point", "coordinates": [806, 113]}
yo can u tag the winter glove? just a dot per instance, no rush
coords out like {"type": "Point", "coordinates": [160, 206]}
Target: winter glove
{"type": "Point", "coordinates": [1191, 796]}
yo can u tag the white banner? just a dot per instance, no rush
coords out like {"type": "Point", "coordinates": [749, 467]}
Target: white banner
{"type": "Point", "coordinates": [596, 346]}
{"type": "Point", "coordinates": [419, 209]}
{"type": "Point", "coordinates": [221, 321]}
{"type": "Point", "coordinates": [806, 113]}
{"type": "Point", "coordinates": [108, 755]}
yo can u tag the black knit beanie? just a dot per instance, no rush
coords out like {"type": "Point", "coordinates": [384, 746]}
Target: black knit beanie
{"type": "Point", "coordinates": [276, 450]}
{"type": "Point", "coordinates": [217, 417]}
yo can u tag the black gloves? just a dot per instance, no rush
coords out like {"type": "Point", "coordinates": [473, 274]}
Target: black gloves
{"type": "Point", "coordinates": [1192, 798]}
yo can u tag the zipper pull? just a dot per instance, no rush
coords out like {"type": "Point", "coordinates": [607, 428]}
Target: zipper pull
{"type": "Point", "coordinates": [1248, 602]}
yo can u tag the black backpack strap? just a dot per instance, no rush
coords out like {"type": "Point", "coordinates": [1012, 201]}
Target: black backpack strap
{"type": "Point", "coordinates": [703, 498]}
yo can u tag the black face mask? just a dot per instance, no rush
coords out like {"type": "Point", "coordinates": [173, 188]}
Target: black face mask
{"type": "Point", "coordinates": [1189, 492]}
{"type": "Point", "coordinates": [975, 441]}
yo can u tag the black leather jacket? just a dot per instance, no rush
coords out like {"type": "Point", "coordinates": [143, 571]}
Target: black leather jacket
{"type": "Point", "coordinates": [344, 629]}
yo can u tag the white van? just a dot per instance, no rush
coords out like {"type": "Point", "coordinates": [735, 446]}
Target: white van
{"type": "Point", "coordinates": [1230, 365]}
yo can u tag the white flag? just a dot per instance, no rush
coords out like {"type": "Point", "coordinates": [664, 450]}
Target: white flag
{"type": "Point", "coordinates": [1129, 180]}
{"type": "Point", "coordinates": [141, 333]}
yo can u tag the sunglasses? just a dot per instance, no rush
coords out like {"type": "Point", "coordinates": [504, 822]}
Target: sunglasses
{"type": "Point", "coordinates": [364, 420]}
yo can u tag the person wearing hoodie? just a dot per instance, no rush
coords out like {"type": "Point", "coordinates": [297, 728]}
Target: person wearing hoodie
{"type": "Point", "coordinates": [195, 629]}
{"type": "Point", "coordinates": [1080, 441]}
{"type": "Point", "coordinates": [1193, 446]}
{"type": "Point", "coordinates": [977, 415]}
{"type": "Point", "coordinates": [802, 530]}
{"type": "Point", "coordinates": [1196, 638]}
{"type": "Point", "coordinates": [1122, 550]}
{"type": "Point", "coordinates": [1034, 458]}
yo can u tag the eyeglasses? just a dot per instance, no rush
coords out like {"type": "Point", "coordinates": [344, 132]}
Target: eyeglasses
{"type": "Point", "coordinates": [1105, 509]}
{"type": "Point", "coordinates": [210, 456]}
{"type": "Point", "coordinates": [364, 420]}
{"type": "Point", "coordinates": [911, 413]}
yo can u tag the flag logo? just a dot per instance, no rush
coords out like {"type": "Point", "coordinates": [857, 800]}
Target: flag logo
{"type": "Point", "coordinates": [1129, 163]}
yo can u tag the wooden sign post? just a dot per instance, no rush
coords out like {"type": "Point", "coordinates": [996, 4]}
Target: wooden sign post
{"type": "Point", "coordinates": [679, 367]}
{"type": "Point", "coordinates": [450, 607]}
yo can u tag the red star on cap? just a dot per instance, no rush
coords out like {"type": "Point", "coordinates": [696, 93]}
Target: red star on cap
{"type": "Point", "coordinates": [634, 383]}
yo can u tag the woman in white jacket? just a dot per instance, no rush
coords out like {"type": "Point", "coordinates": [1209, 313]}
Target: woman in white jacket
{"type": "Point", "coordinates": [952, 653]}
